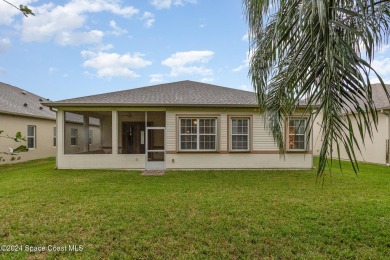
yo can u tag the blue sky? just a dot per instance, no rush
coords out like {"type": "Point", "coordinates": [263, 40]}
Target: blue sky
{"type": "Point", "coordinates": [84, 47]}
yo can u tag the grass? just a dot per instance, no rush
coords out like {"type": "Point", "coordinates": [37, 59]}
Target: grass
{"type": "Point", "coordinates": [195, 214]}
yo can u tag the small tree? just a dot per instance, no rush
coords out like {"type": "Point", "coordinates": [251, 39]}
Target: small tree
{"type": "Point", "coordinates": [12, 155]}
{"type": "Point", "coordinates": [23, 8]}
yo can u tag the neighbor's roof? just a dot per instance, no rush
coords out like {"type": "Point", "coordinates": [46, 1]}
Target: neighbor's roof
{"type": "Point", "coordinates": [14, 100]}
{"type": "Point", "coordinates": [379, 96]}
{"type": "Point", "coordinates": [182, 93]}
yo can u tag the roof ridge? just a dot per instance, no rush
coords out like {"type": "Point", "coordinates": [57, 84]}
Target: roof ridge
{"type": "Point", "coordinates": [179, 93]}
{"type": "Point", "coordinates": [153, 86]}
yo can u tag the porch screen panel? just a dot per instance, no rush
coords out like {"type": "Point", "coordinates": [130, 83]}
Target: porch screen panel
{"type": "Point", "coordinates": [87, 132]}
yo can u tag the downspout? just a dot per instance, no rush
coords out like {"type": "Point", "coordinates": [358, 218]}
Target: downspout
{"type": "Point", "coordinates": [52, 109]}
{"type": "Point", "coordinates": [387, 113]}
{"type": "Point", "coordinates": [314, 111]}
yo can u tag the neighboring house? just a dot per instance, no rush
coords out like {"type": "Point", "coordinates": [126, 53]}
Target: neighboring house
{"type": "Point", "coordinates": [375, 151]}
{"type": "Point", "coordinates": [22, 111]}
{"type": "Point", "coordinates": [181, 125]}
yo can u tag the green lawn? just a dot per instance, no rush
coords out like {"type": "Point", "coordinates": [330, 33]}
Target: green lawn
{"type": "Point", "coordinates": [195, 214]}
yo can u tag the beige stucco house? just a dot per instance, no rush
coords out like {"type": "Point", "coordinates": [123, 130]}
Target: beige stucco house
{"type": "Point", "coordinates": [376, 150]}
{"type": "Point", "coordinates": [22, 111]}
{"type": "Point", "coordinates": [180, 125]}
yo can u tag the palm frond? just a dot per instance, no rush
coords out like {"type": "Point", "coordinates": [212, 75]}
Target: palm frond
{"type": "Point", "coordinates": [321, 51]}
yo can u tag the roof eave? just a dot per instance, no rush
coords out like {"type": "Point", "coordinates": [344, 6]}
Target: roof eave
{"type": "Point", "coordinates": [59, 104]}
{"type": "Point", "coordinates": [26, 115]}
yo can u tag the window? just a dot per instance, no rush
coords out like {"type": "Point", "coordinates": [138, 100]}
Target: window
{"type": "Point", "coordinates": [198, 134]}
{"type": "Point", "coordinates": [90, 137]}
{"type": "Point", "coordinates": [54, 136]}
{"type": "Point", "coordinates": [296, 134]}
{"type": "Point", "coordinates": [31, 134]}
{"type": "Point", "coordinates": [239, 134]}
{"type": "Point", "coordinates": [74, 136]}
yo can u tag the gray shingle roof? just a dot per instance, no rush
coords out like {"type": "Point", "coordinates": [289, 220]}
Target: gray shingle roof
{"type": "Point", "coordinates": [379, 96]}
{"type": "Point", "coordinates": [13, 100]}
{"type": "Point", "coordinates": [182, 93]}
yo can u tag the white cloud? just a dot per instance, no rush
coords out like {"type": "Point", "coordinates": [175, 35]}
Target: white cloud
{"type": "Point", "coordinates": [116, 30]}
{"type": "Point", "coordinates": [108, 65]}
{"type": "Point", "coordinates": [2, 71]}
{"type": "Point", "coordinates": [78, 38]}
{"type": "Point", "coordinates": [203, 23]}
{"type": "Point", "coordinates": [246, 88]}
{"type": "Point", "coordinates": [104, 47]}
{"type": "Point", "coordinates": [384, 48]}
{"type": "Point", "coordinates": [182, 63]}
{"type": "Point", "coordinates": [156, 78]}
{"type": "Point", "coordinates": [244, 64]}
{"type": "Point", "coordinates": [5, 43]}
{"type": "Point", "coordinates": [148, 18]}
{"type": "Point", "coordinates": [382, 67]}
{"type": "Point", "coordinates": [65, 22]}
{"type": "Point", "coordinates": [166, 4]}
{"type": "Point", "coordinates": [209, 80]}
{"type": "Point", "coordinates": [240, 68]}
{"type": "Point", "coordinates": [245, 37]}
{"type": "Point", "coordinates": [52, 70]}
{"type": "Point", "coordinates": [184, 58]}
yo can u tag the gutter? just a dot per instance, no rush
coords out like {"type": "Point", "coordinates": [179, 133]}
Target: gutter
{"type": "Point", "coordinates": [60, 104]}
{"type": "Point", "coordinates": [25, 115]}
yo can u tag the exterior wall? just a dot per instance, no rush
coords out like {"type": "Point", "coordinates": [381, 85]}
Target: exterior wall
{"type": "Point", "coordinates": [238, 161]}
{"type": "Point", "coordinates": [371, 151]}
{"type": "Point", "coordinates": [101, 161]}
{"type": "Point", "coordinates": [317, 135]}
{"type": "Point", "coordinates": [263, 153]}
{"type": "Point", "coordinates": [106, 135]}
{"type": "Point", "coordinates": [44, 136]}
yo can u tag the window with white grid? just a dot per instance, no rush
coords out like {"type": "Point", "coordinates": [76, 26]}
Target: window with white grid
{"type": "Point", "coordinates": [297, 134]}
{"type": "Point", "coordinates": [239, 134]}
{"type": "Point", "coordinates": [198, 134]}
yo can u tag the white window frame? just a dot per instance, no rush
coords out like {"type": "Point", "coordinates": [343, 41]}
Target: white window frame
{"type": "Point", "coordinates": [198, 134]}
{"type": "Point", "coordinates": [54, 136]}
{"type": "Point", "coordinates": [34, 137]}
{"type": "Point", "coordinates": [247, 134]}
{"type": "Point", "coordinates": [90, 135]}
{"type": "Point", "coordinates": [295, 134]}
{"type": "Point", "coordinates": [74, 136]}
